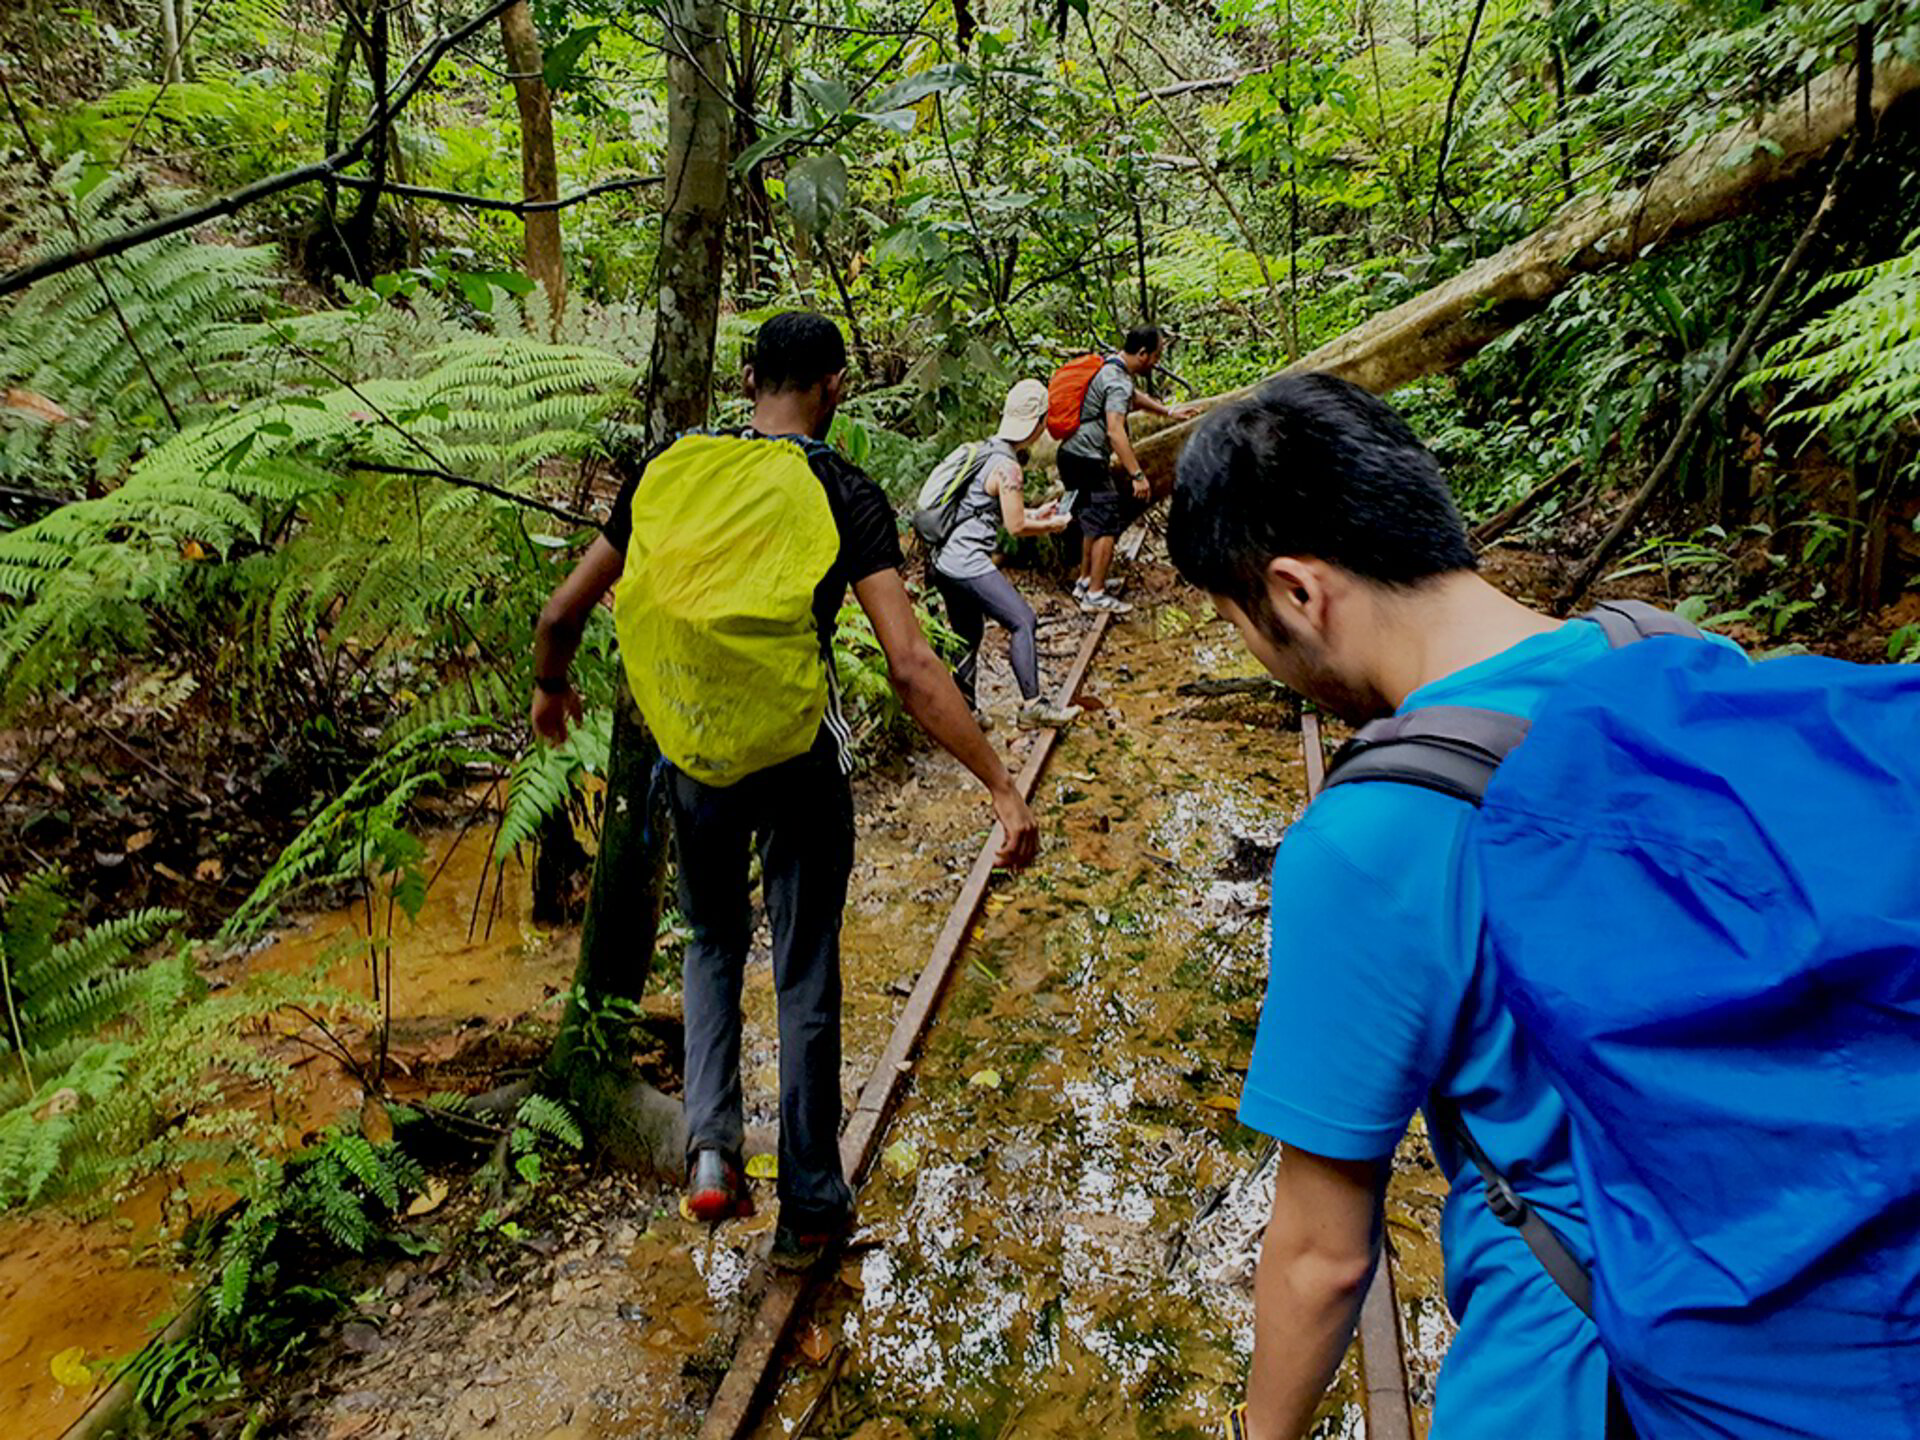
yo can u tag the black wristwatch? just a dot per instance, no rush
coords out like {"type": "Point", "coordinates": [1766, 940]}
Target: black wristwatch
{"type": "Point", "coordinates": [552, 684]}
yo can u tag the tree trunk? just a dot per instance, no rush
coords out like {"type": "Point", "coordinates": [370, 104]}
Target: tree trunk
{"type": "Point", "coordinates": [169, 43]}
{"type": "Point", "coordinates": [635, 1123]}
{"type": "Point", "coordinates": [539, 170]}
{"type": "Point", "coordinates": [1721, 177]}
{"type": "Point", "coordinates": [693, 230]}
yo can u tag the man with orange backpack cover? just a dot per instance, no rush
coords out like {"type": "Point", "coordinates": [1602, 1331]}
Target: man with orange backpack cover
{"type": "Point", "coordinates": [1088, 401]}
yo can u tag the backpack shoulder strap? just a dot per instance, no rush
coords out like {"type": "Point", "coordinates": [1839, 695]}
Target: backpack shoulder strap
{"type": "Point", "coordinates": [1453, 749]}
{"type": "Point", "coordinates": [1625, 621]}
{"type": "Point", "coordinates": [1510, 1208]}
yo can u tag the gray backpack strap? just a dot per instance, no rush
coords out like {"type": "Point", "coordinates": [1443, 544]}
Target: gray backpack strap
{"type": "Point", "coordinates": [1625, 621]}
{"type": "Point", "coordinates": [1453, 749]}
{"type": "Point", "coordinates": [1511, 1208]}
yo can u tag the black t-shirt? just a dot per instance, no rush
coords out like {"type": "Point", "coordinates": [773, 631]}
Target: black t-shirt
{"type": "Point", "coordinates": [869, 538]}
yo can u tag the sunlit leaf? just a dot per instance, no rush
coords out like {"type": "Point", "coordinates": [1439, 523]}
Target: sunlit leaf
{"type": "Point", "coordinates": [817, 189]}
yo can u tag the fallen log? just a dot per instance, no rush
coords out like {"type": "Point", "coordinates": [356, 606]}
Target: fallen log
{"type": "Point", "coordinates": [1726, 175]}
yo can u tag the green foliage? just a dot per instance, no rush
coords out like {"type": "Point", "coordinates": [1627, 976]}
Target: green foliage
{"type": "Point", "coordinates": [111, 1068]}
{"type": "Point", "coordinates": [67, 338]}
{"type": "Point", "coordinates": [1853, 373]}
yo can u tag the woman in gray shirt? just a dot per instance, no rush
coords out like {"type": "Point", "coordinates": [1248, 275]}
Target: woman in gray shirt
{"type": "Point", "coordinates": [963, 569]}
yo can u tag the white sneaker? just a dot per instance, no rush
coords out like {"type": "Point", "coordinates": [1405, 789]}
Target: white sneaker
{"type": "Point", "coordinates": [1041, 714]}
{"type": "Point", "coordinates": [1114, 587]}
{"type": "Point", "coordinates": [1096, 602]}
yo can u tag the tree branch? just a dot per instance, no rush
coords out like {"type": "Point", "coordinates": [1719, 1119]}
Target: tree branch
{"type": "Point", "coordinates": [419, 72]}
{"type": "Point", "coordinates": [466, 482]}
{"type": "Point", "coordinates": [512, 207]}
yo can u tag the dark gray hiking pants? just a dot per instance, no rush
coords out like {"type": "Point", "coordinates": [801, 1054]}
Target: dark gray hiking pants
{"type": "Point", "coordinates": [800, 814]}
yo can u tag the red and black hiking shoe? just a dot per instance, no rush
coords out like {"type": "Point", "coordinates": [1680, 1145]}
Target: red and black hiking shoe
{"type": "Point", "coordinates": [717, 1189]}
{"type": "Point", "coordinates": [805, 1244]}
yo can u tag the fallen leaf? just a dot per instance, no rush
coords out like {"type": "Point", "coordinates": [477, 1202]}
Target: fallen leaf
{"type": "Point", "coordinates": [194, 550]}
{"type": "Point", "coordinates": [430, 1199]}
{"type": "Point", "coordinates": [1226, 1103]}
{"type": "Point", "coordinates": [901, 1158]}
{"type": "Point", "coordinates": [209, 869]}
{"type": "Point", "coordinates": [69, 1368]}
{"type": "Point", "coordinates": [686, 1211]}
{"type": "Point", "coordinates": [375, 1123]}
{"type": "Point", "coordinates": [351, 1427]}
{"type": "Point", "coordinates": [764, 1166]}
{"type": "Point", "coordinates": [138, 841]}
{"type": "Point", "coordinates": [985, 1079]}
{"type": "Point", "coordinates": [161, 867]}
{"type": "Point", "coordinates": [816, 1345]}
{"type": "Point", "coordinates": [34, 403]}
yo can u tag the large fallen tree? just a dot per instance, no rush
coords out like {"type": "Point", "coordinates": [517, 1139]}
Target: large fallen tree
{"type": "Point", "coordinates": [1727, 175]}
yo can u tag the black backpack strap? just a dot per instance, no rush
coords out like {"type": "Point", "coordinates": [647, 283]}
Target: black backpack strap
{"type": "Point", "coordinates": [1453, 749]}
{"type": "Point", "coordinates": [1511, 1208]}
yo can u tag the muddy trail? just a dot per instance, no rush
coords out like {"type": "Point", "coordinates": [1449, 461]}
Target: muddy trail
{"type": "Point", "coordinates": [1061, 1230]}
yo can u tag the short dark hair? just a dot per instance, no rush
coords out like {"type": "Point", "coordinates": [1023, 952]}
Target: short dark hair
{"type": "Point", "coordinates": [796, 350]}
{"type": "Point", "coordinates": [1143, 340]}
{"type": "Point", "coordinates": [1310, 465]}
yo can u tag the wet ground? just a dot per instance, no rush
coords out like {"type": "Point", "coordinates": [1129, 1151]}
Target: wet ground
{"type": "Point", "coordinates": [1061, 1233]}
{"type": "Point", "coordinates": [1033, 1259]}
{"type": "Point", "coordinates": [104, 1284]}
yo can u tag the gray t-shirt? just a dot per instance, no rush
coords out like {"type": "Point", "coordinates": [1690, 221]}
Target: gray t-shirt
{"type": "Point", "coordinates": [1109, 393]}
{"type": "Point", "coordinates": [969, 549]}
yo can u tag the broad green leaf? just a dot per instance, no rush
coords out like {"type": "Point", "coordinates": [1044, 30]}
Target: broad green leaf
{"type": "Point", "coordinates": [934, 80]}
{"type": "Point", "coordinates": [563, 60]}
{"type": "Point", "coordinates": [816, 189]}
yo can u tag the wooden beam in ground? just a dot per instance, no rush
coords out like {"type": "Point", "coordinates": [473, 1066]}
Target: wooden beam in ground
{"type": "Point", "coordinates": [745, 1383]}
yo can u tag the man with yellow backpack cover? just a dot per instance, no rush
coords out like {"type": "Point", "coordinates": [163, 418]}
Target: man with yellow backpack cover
{"type": "Point", "coordinates": [732, 556]}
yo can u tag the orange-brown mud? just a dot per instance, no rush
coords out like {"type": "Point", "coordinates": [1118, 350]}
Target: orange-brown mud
{"type": "Point", "coordinates": [105, 1284]}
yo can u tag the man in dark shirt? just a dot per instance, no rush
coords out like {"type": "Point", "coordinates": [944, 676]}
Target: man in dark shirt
{"type": "Point", "coordinates": [799, 812]}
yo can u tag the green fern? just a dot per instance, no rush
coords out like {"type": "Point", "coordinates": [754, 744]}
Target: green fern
{"type": "Point", "coordinates": [1854, 371]}
{"type": "Point", "coordinates": [62, 339]}
{"type": "Point", "coordinates": [547, 1118]}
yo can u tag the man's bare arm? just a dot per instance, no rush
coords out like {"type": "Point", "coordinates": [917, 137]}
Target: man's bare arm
{"type": "Point", "coordinates": [556, 636]}
{"type": "Point", "coordinates": [1322, 1243]}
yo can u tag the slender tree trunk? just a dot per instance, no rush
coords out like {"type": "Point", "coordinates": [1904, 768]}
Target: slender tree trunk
{"type": "Point", "coordinates": [539, 170]}
{"type": "Point", "coordinates": [633, 1121]}
{"type": "Point", "coordinates": [693, 230]}
{"type": "Point", "coordinates": [169, 42]}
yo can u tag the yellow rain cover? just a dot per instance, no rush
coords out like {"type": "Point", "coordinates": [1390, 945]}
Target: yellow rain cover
{"type": "Point", "coordinates": [714, 609]}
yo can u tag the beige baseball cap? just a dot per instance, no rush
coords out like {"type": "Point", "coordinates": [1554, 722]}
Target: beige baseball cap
{"type": "Point", "coordinates": [1026, 407]}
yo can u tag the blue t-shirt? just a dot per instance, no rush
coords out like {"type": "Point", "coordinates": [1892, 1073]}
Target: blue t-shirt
{"type": "Point", "coordinates": [1375, 996]}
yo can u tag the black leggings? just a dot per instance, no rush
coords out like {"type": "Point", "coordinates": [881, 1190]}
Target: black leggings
{"type": "Point", "coordinates": [969, 604]}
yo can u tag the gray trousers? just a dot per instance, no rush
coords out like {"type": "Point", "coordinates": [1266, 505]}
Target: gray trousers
{"type": "Point", "coordinates": [800, 814]}
{"type": "Point", "coordinates": [970, 603]}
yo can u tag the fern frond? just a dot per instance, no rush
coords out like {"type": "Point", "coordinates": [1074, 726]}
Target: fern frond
{"type": "Point", "coordinates": [545, 1116]}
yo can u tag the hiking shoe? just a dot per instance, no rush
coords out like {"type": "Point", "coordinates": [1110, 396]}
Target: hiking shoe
{"type": "Point", "coordinates": [803, 1246]}
{"type": "Point", "coordinates": [1041, 714]}
{"type": "Point", "coordinates": [984, 721]}
{"type": "Point", "coordinates": [1114, 587]}
{"type": "Point", "coordinates": [717, 1189]}
{"type": "Point", "coordinates": [1096, 602]}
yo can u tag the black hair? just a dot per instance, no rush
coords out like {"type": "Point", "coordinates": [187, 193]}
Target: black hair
{"type": "Point", "coordinates": [1143, 340]}
{"type": "Point", "coordinates": [796, 350]}
{"type": "Point", "coordinates": [1310, 465]}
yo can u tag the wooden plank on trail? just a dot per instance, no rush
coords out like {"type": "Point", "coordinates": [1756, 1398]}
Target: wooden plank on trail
{"type": "Point", "coordinates": [742, 1389]}
{"type": "Point", "coordinates": [1383, 1363]}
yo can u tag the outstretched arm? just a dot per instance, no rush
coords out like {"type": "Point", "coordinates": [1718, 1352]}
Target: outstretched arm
{"type": "Point", "coordinates": [1322, 1243]}
{"type": "Point", "coordinates": [927, 690]}
{"type": "Point", "coordinates": [556, 636]}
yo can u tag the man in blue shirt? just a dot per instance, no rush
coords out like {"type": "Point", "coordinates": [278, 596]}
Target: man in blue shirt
{"type": "Point", "coordinates": [1323, 529]}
